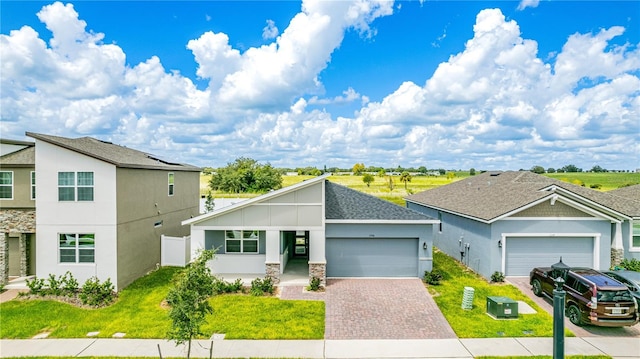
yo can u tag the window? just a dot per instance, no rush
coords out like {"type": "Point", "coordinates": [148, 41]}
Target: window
{"type": "Point", "coordinates": [33, 185]}
{"type": "Point", "coordinates": [171, 184]}
{"type": "Point", "coordinates": [635, 239]}
{"type": "Point", "coordinates": [6, 185]}
{"type": "Point", "coordinates": [77, 248]}
{"type": "Point", "coordinates": [69, 191]}
{"type": "Point", "coordinates": [241, 241]}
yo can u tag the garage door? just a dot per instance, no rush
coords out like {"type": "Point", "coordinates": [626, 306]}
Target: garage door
{"type": "Point", "coordinates": [525, 253]}
{"type": "Point", "coordinates": [372, 257]}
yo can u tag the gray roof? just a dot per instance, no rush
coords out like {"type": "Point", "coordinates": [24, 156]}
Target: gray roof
{"type": "Point", "coordinates": [629, 193]}
{"type": "Point", "coordinates": [492, 194]}
{"type": "Point", "coordinates": [344, 203]}
{"type": "Point", "coordinates": [25, 157]}
{"type": "Point", "coordinates": [117, 155]}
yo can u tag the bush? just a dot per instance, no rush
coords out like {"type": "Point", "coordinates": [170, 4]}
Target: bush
{"type": "Point", "coordinates": [36, 286]}
{"type": "Point", "coordinates": [261, 286]}
{"type": "Point", "coordinates": [97, 294]}
{"type": "Point", "coordinates": [630, 264]}
{"type": "Point", "coordinates": [220, 286]}
{"type": "Point", "coordinates": [314, 284]}
{"type": "Point", "coordinates": [433, 278]}
{"type": "Point", "coordinates": [596, 186]}
{"type": "Point", "coordinates": [497, 277]}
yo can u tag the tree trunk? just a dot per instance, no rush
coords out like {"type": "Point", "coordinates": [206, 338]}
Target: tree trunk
{"type": "Point", "coordinates": [189, 348]}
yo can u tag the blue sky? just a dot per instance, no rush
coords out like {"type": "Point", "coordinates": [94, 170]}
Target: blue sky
{"type": "Point", "coordinates": [444, 84]}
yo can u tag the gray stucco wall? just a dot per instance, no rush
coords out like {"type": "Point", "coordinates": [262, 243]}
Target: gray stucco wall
{"type": "Point", "coordinates": [423, 232]}
{"type": "Point", "coordinates": [626, 227]}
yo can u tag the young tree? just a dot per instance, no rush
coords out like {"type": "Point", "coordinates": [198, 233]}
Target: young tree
{"type": "Point", "coordinates": [209, 204]}
{"type": "Point", "coordinates": [472, 171]}
{"type": "Point", "coordinates": [367, 178]}
{"type": "Point", "coordinates": [390, 183]}
{"type": "Point", "coordinates": [382, 172]}
{"type": "Point", "coordinates": [188, 299]}
{"type": "Point", "coordinates": [405, 177]}
{"type": "Point", "coordinates": [537, 169]}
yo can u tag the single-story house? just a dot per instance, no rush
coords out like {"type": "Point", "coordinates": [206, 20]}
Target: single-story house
{"type": "Point", "coordinates": [513, 221]}
{"type": "Point", "coordinates": [339, 231]}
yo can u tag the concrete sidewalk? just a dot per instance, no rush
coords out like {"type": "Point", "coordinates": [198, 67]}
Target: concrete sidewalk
{"type": "Point", "coordinates": [617, 348]}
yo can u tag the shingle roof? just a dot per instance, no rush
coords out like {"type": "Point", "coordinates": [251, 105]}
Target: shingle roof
{"type": "Point", "coordinates": [25, 157]}
{"type": "Point", "coordinates": [629, 193]}
{"type": "Point", "coordinates": [344, 203]}
{"type": "Point", "coordinates": [492, 194]}
{"type": "Point", "coordinates": [119, 156]}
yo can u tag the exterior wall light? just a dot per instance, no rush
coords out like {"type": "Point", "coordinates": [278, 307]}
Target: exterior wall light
{"type": "Point", "coordinates": [424, 246]}
{"type": "Point", "coordinates": [500, 243]}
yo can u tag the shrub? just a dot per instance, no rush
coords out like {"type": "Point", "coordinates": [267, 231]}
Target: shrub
{"type": "Point", "coordinates": [261, 286]}
{"type": "Point", "coordinates": [54, 285]}
{"type": "Point", "coordinates": [97, 294]}
{"type": "Point", "coordinates": [497, 277]}
{"type": "Point", "coordinates": [596, 186]}
{"type": "Point", "coordinates": [433, 278]}
{"type": "Point", "coordinates": [36, 286]}
{"type": "Point", "coordinates": [314, 284]}
{"type": "Point", "coordinates": [220, 286]}
{"type": "Point", "coordinates": [630, 264]}
{"type": "Point", "coordinates": [68, 285]}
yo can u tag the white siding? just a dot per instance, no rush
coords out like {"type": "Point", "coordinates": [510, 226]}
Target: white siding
{"type": "Point", "coordinates": [54, 217]}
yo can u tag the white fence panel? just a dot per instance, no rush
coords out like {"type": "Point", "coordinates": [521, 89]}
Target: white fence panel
{"type": "Point", "coordinates": [175, 251]}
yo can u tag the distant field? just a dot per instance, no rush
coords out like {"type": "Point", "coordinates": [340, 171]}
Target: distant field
{"type": "Point", "coordinates": [607, 181]}
{"type": "Point", "coordinates": [380, 186]}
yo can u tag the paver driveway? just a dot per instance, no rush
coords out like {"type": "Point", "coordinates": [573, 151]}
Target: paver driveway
{"type": "Point", "coordinates": [382, 309]}
{"type": "Point", "coordinates": [585, 331]}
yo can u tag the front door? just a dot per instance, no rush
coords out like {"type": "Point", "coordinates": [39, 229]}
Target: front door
{"type": "Point", "coordinates": [301, 244]}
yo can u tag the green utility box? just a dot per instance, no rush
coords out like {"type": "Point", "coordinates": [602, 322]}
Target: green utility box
{"type": "Point", "coordinates": [502, 307]}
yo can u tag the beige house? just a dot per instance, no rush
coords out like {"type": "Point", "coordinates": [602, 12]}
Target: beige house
{"type": "Point", "coordinates": [17, 209]}
{"type": "Point", "coordinates": [102, 208]}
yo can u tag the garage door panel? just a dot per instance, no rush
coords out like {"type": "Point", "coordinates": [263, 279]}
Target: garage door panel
{"type": "Point", "coordinates": [372, 257]}
{"type": "Point", "coordinates": [525, 253]}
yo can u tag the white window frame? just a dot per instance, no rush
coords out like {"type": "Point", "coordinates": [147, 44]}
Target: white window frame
{"type": "Point", "coordinates": [244, 236]}
{"type": "Point", "coordinates": [635, 222]}
{"type": "Point", "coordinates": [171, 183]}
{"type": "Point", "coordinates": [9, 185]}
{"type": "Point", "coordinates": [76, 186]}
{"type": "Point", "coordinates": [32, 178]}
{"type": "Point", "coordinates": [76, 248]}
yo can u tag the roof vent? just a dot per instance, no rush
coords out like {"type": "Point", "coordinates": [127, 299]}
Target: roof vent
{"type": "Point", "coordinates": [495, 174]}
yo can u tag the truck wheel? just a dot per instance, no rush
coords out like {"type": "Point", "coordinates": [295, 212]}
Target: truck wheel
{"type": "Point", "coordinates": [536, 287]}
{"type": "Point", "coordinates": [574, 315]}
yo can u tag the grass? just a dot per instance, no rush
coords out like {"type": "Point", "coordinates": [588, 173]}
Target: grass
{"type": "Point", "coordinates": [475, 323]}
{"type": "Point", "coordinates": [139, 314]}
{"type": "Point", "coordinates": [607, 181]}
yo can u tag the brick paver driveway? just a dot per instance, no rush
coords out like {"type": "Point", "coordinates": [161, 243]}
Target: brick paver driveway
{"type": "Point", "coordinates": [585, 331]}
{"type": "Point", "coordinates": [382, 309]}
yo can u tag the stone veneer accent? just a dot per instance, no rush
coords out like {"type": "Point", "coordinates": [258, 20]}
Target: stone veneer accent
{"type": "Point", "coordinates": [273, 272]}
{"type": "Point", "coordinates": [24, 255]}
{"type": "Point", "coordinates": [617, 255]}
{"type": "Point", "coordinates": [4, 258]}
{"type": "Point", "coordinates": [16, 220]}
{"type": "Point", "coordinates": [318, 270]}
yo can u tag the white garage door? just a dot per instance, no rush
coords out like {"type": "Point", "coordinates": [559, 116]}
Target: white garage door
{"type": "Point", "coordinates": [525, 253]}
{"type": "Point", "coordinates": [372, 257]}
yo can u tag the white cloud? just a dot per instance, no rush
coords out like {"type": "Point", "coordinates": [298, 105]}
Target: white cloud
{"type": "Point", "coordinates": [528, 3]}
{"type": "Point", "coordinates": [494, 104]}
{"type": "Point", "coordinates": [270, 31]}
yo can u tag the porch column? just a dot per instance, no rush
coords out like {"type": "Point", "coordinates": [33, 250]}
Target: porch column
{"type": "Point", "coordinates": [617, 248]}
{"type": "Point", "coordinates": [24, 261]}
{"type": "Point", "coordinates": [4, 258]}
{"type": "Point", "coordinates": [272, 256]}
{"type": "Point", "coordinates": [317, 260]}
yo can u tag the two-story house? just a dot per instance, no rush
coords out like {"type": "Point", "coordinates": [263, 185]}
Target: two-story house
{"type": "Point", "coordinates": [102, 208]}
{"type": "Point", "coordinates": [17, 209]}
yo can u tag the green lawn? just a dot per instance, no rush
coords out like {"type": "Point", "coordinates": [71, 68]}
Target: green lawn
{"type": "Point", "coordinates": [475, 323]}
{"type": "Point", "coordinates": [139, 314]}
{"type": "Point", "coordinates": [607, 181]}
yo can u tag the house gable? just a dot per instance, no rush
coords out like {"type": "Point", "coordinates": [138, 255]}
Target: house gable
{"type": "Point", "coordinates": [546, 209]}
